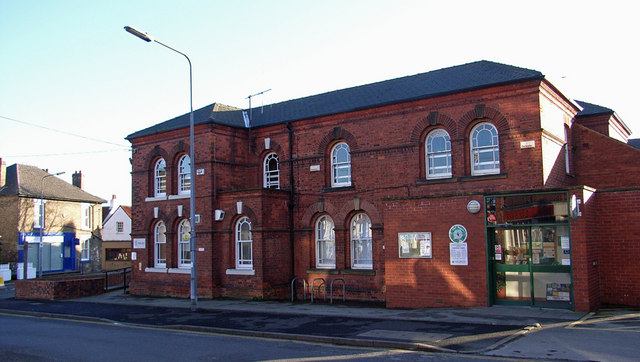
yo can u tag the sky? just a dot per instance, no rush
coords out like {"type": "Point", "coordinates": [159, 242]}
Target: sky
{"type": "Point", "coordinates": [74, 83]}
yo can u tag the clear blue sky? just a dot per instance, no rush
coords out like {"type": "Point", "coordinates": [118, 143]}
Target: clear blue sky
{"type": "Point", "coordinates": [70, 67]}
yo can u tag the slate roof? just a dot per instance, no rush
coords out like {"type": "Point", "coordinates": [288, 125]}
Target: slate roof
{"type": "Point", "coordinates": [461, 78]}
{"type": "Point", "coordinates": [635, 142]}
{"type": "Point", "coordinates": [592, 109]}
{"type": "Point", "coordinates": [26, 181]}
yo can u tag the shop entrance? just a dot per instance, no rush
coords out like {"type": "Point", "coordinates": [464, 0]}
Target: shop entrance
{"type": "Point", "coordinates": [529, 250]}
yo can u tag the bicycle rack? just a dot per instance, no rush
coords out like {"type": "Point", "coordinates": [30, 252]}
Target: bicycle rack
{"type": "Point", "coordinates": [304, 289]}
{"type": "Point", "coordinates": [324, 287]}
{"type": "Point", "coordinates": [331, 290]}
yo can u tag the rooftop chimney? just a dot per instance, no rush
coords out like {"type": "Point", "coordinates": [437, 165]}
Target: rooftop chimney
{"type": "Point", "coordinates": [112, 202]}
{"type": "Point", "coordinates": [76, 179]}
{"type": "Point", "coordinates": [3, 172]}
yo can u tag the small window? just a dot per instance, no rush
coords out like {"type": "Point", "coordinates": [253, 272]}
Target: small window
{"type": "Point", "coordinates": [438, 154]}
{"type": "Point", "coordinates": [325, 243]}
{"type": "Point", "coordinates": [485, 151]}
{"type": "Point", "coordinates": [85, 250]}
{"type": "Point", "coordinates": [271, 172]}
{"type": "Point", "coordinates": [184, 175]}
{"type": "Point", "coordinates": [184, 244]}
{"type": "Point", "coordinates": [38, 219]}
{"type": "Point", "coordinates": [86, 216]}
{"type": "Point", "coordinates": [160, 245]}
{"type": "Point", "coordinates": [119, 227]}
{"type": "Point", "coordinates": [341, 165]}
{"type": "Point", "coordinates": [361, 246]}
{"type": "Point", "coordinates": [567, 149]}
{"type": "Point", "coordinates": [160, 178]}
{"type": "Point", "coordinates": [244, 244]}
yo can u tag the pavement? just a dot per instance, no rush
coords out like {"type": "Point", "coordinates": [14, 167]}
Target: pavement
{"type": "Point", "coordinates": [499, 331]}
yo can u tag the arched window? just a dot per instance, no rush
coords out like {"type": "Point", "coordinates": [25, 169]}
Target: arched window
{"type": "Point", "coordinates": [244, 244]}
{"type": "Point", "coordinates": [325, 243]}
{"type": "Point", "coordinates": [160, 245]}
{"type": "Point", "coordinates": [485, 151]}
{"type": "Point", "coordinates": [271, 172]}
{"type": "Point", "coordinates": [160, 178]}
{"type": "Point", "coordinates": [340, 165]}
{"type": "Point", "coordinates": [184, 244]}
{"type": "Point", "coordinates": [361, 246]}
{"type": "Point", "coordinates": [438, 154]}
{"type": "Point", "coordinates": [184, 175]}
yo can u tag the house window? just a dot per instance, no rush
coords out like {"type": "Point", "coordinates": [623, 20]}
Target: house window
{"type": "Point", "coordinates": [244, 244]}
{"type": "Point", "coordinates": [119, 227]}
{"type": "Point", "coordinates": [271, 172]}
{"type": "Point", "coordinates": [325, 243]}
{"type": "Point", "coordinates": [567, 164]}
{"type": "Point", "coordinates": [340, 165]}
{"type": "Point", "coordinates": [38, 220]}
{"type": "Point", "coordinates": [160, 245]}
{"type": "Point", "coordinates": [86, 216]}
{"type": "Point", "coordinates": [85, 248]}
{"type": "Point", "coordinates": [485, 158]}
{"type": "Point", "coordinates": [438, 154]}
{"type": "Point", "coordinates": [160, 178]}
{"type": "Point", "coordinates": [184, 244]}
{"type": "Point", "coordinates": [361, 246]}
{"type": "Point", "coordinates": [184, 175]}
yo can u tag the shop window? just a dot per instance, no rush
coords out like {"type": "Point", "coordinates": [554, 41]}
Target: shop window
{"type": "Point", "coordinates": [438, 154]}
{"type": "Point", "coordinates": [118, 254]}
{"type": "Point", "coordinates": [340, 165]}
{"type": "Point", "coordinates": [325, 243]}
{"type": "Point", "coordinates": [361, 245]}
{"type": "Point", "coordinates": [485, 150]}
{"type": "Point", "coordinates": [271, 178]}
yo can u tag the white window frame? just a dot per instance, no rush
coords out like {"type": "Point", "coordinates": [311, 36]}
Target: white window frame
{"type": "Point", "coordinates": [160, 178]}
{"type": "Point", "coordinates": [160, 245]}
{"type": "Point", "coordinates": [119, 227]}
{"type": "Point", "coordinates": [432, 155]}
{"type": "Point", "coordinates": [477, 150]}
{"type": "Point", "coordinates": [85, 210]}
{"type": "Point", "coordinates": [85, 249]}
{"type": "Point", "coordinates": [38, 220]}
{"type": "Point", "coordinates": [184, 175]}
{"type": "Point", "coordinates": [271, 177]}
{"type": "Point", "coordinates": [243, 261]}
{"type": "Point", "coordinates": [184, 244]}
{"type": "Point", "coordinates": [338, 165]}
{"type": "Point", "coordinates": [361, 242]}
{"type": "Point", "coordinates": [325, 243]}
{"type": "Point", "coordinates": [567, 164]}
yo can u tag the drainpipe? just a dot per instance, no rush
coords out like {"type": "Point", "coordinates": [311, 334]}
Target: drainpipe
{"type": "Point", "coordinates": [291, 200]}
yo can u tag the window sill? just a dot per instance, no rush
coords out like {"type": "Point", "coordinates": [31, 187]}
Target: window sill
{"type": "Point", "coordinates": [358, 272]}
{"type": "Point", "coordinates": [176, 197]}
{"type": "Point", "coordinates": [179, 271]}
{"type": "Point", "coordinates": [241, 272]}
{"type": "Point", "coordinates": [432, 181]}
{"type": "Point", "coordinates": [328, 271]}
{"type": "Point", "coordinates": [155, 270]}
{"type": "Point", "coordinates": [483, 177]}
{"type": "Point", "coordinates": [155, 198]}
{"type": "Point", "coordinates": [338, 188]}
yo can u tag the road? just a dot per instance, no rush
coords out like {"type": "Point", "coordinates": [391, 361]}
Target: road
{"type": "Point", "coordinates": [25, 338]}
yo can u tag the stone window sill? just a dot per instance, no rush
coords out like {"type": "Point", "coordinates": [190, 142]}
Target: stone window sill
{"type": "Point", "coordinates": [241, 272]}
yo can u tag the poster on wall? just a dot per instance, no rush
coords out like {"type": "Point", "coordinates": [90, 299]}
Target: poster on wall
{"type": "Point", "coordinates": [558, 291]}
{"type": "Point", "coordinates": [138, 243]}
{"type": "Point", "coordinates": [414, 245]}
{"type": "Point", "coordinates": [458, 254]}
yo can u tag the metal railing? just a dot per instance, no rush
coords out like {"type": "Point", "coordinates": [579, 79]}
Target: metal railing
{"type": "Point", "coordinates": [117, 279]}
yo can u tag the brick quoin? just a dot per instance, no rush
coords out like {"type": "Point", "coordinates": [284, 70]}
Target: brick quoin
{"type": "Point", "coordinates": [389, 185]}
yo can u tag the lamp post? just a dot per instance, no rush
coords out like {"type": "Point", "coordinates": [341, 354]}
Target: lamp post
{"type": "Point", "coordinates": [42, 218]}
{"type": "Point", "coordinates": [192, 200]}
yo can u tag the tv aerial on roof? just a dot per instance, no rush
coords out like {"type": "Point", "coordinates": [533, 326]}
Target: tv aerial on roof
{"type": "Point", "coordinates": [253, 95]}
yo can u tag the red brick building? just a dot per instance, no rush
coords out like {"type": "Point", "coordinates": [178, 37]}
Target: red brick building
{"type": "Point", "coordinates": [473, 185]}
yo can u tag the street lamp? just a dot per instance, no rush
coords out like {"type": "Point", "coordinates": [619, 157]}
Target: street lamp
{"type": "Point", "coordinates": [42, 218]}
{"type": "Point", "coordinates": [192, 200]}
